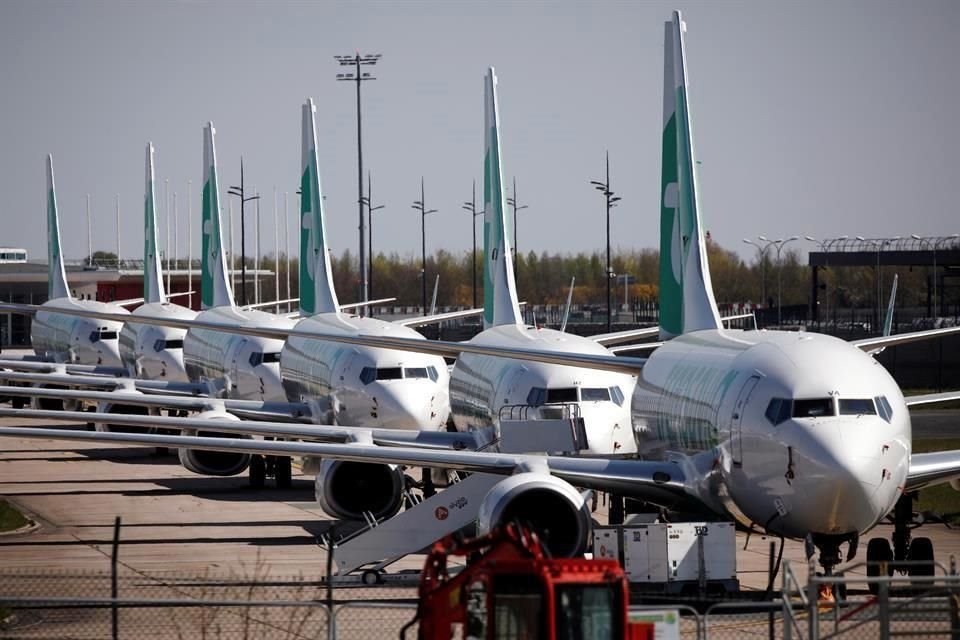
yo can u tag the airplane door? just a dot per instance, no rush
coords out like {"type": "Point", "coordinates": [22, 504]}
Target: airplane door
{"type": "Point", "coordinates": [235, 364]}
{"type": "Point", "coordinates": [736, 420]}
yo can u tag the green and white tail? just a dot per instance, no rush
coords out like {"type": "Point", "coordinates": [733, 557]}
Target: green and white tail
{"type": "Point", "coordinates": [686, 293]}
{"type": "Point", "coordinates": [317, 294]}
{"type": "Point", "coordinates": [56, 276]}
{"type": "Point", "coordinates": [152, 275]}
{"type": "Point", "coordinates": [214, 287]}
{"type": "Point", "coordinates": [888, 320]}
{"type": "Point", "coordinates": [500, 304]}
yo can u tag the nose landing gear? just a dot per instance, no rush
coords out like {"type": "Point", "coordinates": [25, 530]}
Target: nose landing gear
{"type": "Point", "coordinates": [829, 557]}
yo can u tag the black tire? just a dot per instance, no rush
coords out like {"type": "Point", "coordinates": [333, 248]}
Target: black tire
{"type": "Point", "coordinates": [921, 550]}
{"type": "Point", "coordinates": [878, 550]}
{"type": "Point", "coordinates": [258, 472]}
{"type": "Point", "coordinates": [371, 577]}
{"type": "Point", "coordinates": [283, 472]}
{"type": "Point", "coordinates": [18, 402]}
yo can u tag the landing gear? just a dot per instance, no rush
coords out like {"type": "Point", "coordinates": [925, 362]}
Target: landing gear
{"type": "Point", "coordinates": [829, 548]}
{"type": "Point", "coordinates": [258, 472]}
{"type": "Point", "coordinates": [429, 490]}
{"type": "Point", "coordinates": [918, 552]}
{"type": "Point", "coordinates": [277, 467]}
{"type": "Point", "coordinates": [616, 514]}
{"type": "Point", "coordinates": [283, 472]}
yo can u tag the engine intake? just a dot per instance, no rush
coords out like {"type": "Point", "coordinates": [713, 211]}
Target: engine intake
{"type": "Point", "coordinates": [550, 506]}
{"type": "Point", "coordinates": [347, 490]}
{"type": "Point", "coordinates": [121, 409]}
{"type": "Point", "coordinates": [214, 463]}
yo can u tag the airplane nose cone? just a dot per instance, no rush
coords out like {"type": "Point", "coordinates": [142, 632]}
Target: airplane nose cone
{"type": "Point", "coordinates": [408, 405]}
{"type": "Point", "coordinates": [608, 429]}
{"type": "Point", "coordinates": [270, 380]}
{"type": "Point", "coordinates": [109, 353]}
{"type": "Point", "coordinates": [846, 475]}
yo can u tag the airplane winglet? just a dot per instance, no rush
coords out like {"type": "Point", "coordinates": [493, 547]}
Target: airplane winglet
{"type": "Point", "coordinates": [153, 290]}
{"type": "Point", "coordinates": [317, 293]}
{"type": "Point", "coordinates": [686, 292]}
{"type": "Point", "coordinates": [500, 304]}
{"type": "Point", "coordinates": [57, 276]}
{"type": "Point", "coordinates": [215, 287]}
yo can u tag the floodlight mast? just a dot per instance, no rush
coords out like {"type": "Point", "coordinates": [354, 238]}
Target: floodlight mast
{"type": "Point", "coordinates": [612, 200]}
{"type": "Point", "coordinates": [512, 202]}
{"type": "Point", "coordinates": [420, 205]}
{"type": "Point", "coordinates": [471, 206]}
{"type": "Point", "coordinates": [367, 200]}
{"type": "Point", "coordinates": [239, 191]}
{"type": "Point", "coordinates": [357, 60]}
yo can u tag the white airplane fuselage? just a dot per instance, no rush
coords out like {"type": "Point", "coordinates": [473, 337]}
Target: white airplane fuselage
{"type": "Point", "coordinates": [249, 365]}
{"type": "Point", "coordinates": [73, 339]}
{"type": "Point", "coordinates": [365, 386]}
{"type": "Point", "coordinates": [481, 385]}
{"type": "Point", "coordinates": [798, 432]}
{"type": "Point", "coordinates": [154, 352]}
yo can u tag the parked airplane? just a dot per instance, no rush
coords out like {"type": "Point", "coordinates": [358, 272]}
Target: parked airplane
{"type": "Point", "coordinates": [802, 435]}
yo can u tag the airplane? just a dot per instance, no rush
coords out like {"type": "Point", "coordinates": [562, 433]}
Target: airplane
{"type": "Point", "coordinates": [801, 435]}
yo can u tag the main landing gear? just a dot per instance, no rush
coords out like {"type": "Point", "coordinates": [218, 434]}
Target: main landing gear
{"type": "Point", "coordinates": [277, 467]}
{"type": "Point", "coordinates": [917, 552]}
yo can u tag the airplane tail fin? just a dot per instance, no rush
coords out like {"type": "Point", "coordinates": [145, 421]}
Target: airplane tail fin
{"type": "Point", "coordinates": [317, 294]}
{"type": "Point", "coordinates": [152, 275]}
{"type": "Point", "coordinates": [57, 276]}
{"type": "Point", "coordinates": [686, 292]}
{"type": "Point", "coordinates": [888, 320]}
{"type": "Point", "coordinates": [500, 304]}
{"type": "Point", "coordinates": [214, 287]}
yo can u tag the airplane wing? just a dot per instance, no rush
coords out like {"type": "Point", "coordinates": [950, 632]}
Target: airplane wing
{"type": "Point", "coordinates": [631, 366]}
{"type": "Point", "coordinates": [932, 398]}
{"type": "Point", "coordinates": [927, 469]}
{"type": "Point", "coordinates": [132, 302]}
{"type": "Point", "coordinates": [628, 348]}
{"type": "Point", "coordinates": [368, 303]}
{"type": "Point", "coordinates": [420, 321]}
{"type": "Point", "coordinates": [39, 366]}
{"type": "Point", "coordinates": [472, 441]}
{"type": "Point", "coordinates": [658, 482]}
{"type": "Point", "coordinates": [869, 344]}
{"type": "Point", "coordinates": [264, 305]}
{"type": "Point", "coordinates": [625, 336]}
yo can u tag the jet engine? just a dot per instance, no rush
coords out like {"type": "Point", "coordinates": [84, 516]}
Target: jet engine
{"type": "Point", "coordinates": [214, 463]}
{"type": "Point", "coordinates": [121, 409]}
{"type": "Point", "coordinates": [347, 490]}
{"type": "Point", "coordinates": [550, 506]}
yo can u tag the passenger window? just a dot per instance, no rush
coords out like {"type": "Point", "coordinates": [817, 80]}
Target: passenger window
{"type": "Point", "coordinates": [857, 407]}
{"type": "Point", "coordinates": [368, 375]}
{"type": "Point", "coordinates": [813, 408]}
{"type": "Point", "coordinates": [594, 395]}
{"type": "Point", "coordinates": [415, 372]}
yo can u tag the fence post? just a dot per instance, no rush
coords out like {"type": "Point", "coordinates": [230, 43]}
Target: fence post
{"type": "Point", "coordinates": [113, 578]}
{"type": "Point", "coordinates": [332, 617]}
{"type": "Point", "coordinates": [883, 608]}
{"type": "Point", "coordinates": [813, 601]}
{"type": "Point", "coordinates": [954, 601]}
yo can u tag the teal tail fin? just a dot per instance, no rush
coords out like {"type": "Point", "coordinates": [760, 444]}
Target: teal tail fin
{"type": "Point", "coordinates": [152, 275]}
{"type": "Point", "coordinates": [500, 305]}
{"type": "Point", "coordinates": [56, 276]}
{"type": "Point", "coordinates": [888, 320]}
{"type": "Point", "coordinates": [214, 287]}
{"type": "Point", "coordinates": [317, 294]}
{"type": "Point", "coordinates": [686, 293]}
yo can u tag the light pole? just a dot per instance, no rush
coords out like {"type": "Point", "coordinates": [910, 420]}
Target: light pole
{"type": "Point", "coordinates": [879, 244]}
{"type": "Point", "coordinates": [780, 244]}
{"type": "Point", "coordinates": [512, 202]}
{"type": "Point", "coordinates": [472, 208]}
{"type": "Point", "coordinates": [421, 206]}
{"type": "Point", "coordinates": [935, 242]}
{"type": "Point", "coordinates": [825, 248]}
{"type": "Point", "coordinates": [370, 209]}
{"type": "Point", "coordinates": [604, 188]}
{"type": "Point", "coordinates": [356, 60]}
{"type": "Point", "coordinates": [239, 191]}
{"type": "Point", "coordinates": [762, 252]}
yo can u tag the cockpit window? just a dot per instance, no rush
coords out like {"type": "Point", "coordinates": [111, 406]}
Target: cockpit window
{"type": "Point", "coordinates": [160, 344]}
{"type": "Point", "coordinates": [256, 358]}
{"type": "Point", "coordinates": [857, 407]}
{"type": "Point", "coordinates": [594, 395]}
{"type": "Point", "coordinates": [617, 396]}
{"type": "Point", "coordinates": [813, 408]}
{"type": "Point", "coordinates": [778, 410]}
{"type": "Point", "coordinates": [432, 372]}
{"type": "Point", "coordinates": [102, 334]}
{"type": "Point", "coordinates": [566, 394]}
{"type": "Point", "coordinates": [415, 372]}
{"type": "Point", "coordinates": [537, 396]}
{"type": "Point", "coordinates": [271, 357]}
{"type": "Point", "coordinates": [389, 373]}
{"type": "Point", "coordinates": [369, 374]}
{"type": "Point", "coordinates": [884, 408]}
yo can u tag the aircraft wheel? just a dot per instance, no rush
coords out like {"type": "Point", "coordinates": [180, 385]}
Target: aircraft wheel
{"type": "Point", "coordinates": [370, 578]}
{"type": "Point", "coordinates": [18, 402]}
{"type": "Point", "coordinates": [921, 550]}
{"type": "Point", "coordinates": [878, 551]}
{"type": "Point", "coordinates": [258, 472]}
{"type": "Point", "coordinates": [283, 472]}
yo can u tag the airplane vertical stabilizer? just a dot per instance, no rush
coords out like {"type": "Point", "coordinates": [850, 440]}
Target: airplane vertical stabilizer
{"type": "Point", "coordinates": [152, 275]}
{"type": "Point", "coordinates": [686, 292]}
{"type": "Point", "coordinates": [500, 304]}
{"type": "Point", "coordinates": [317, 294]}
{"type": "Point", "coordinates": [888, 320]}
{"type": "Point", "coordinates": [214, 287]}
{"type": "Point", "coordinates": [57, 276]}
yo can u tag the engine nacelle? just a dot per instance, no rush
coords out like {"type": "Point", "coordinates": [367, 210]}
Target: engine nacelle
{"type": "Point", "coordinates": [347, 490]}
{"type": "Point", "coordinates": [121, 409]}
{"type": "Point", "coordinates": [548, 505]}
{"type": "Point", "coordinates": [955, 484]}
{"type": "Point", "coordinates": [214, 463]}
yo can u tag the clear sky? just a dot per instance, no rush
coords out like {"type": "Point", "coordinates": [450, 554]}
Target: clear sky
{"type": "Point", "coordinates": [819, 118]}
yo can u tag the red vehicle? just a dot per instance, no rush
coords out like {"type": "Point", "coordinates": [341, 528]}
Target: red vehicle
{"type": "Point", "coordinates": [512, 589]}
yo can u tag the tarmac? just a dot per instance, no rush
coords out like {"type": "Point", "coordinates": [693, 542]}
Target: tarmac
{"type": "Point", "coordinates": [175, 521]}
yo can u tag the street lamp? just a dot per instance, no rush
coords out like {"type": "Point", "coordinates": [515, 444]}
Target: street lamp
{"type": "Point", "coordinates": [762, 252]}
{"type": "Point", "coordinates": [420, 205]}
{"type": "Point", "coordinates": [825, 248]}
{"type": "Point", "coordinates": [356, 60]}
{"type": "Point", "coordinates": [512, 202]}
{"type": "Point", "coordinates": [239, 191]}
{"type": "Point", "coordinates": [472, 208]}
{"type": "Point", "coordinates": [604, 188]}
{"type": "Point", "coordinates": [370, 209]}
{"type": "Point", "coordinates": [935, 243]}
{"type": "Point", "coordinates": [780, 244]}
{"type": "Point", "coordinates": [879, 244]}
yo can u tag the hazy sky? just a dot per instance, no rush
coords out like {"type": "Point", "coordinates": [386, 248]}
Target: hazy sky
{"type": "Point", "coordinates": [819, 118]}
